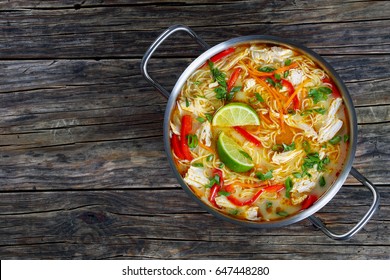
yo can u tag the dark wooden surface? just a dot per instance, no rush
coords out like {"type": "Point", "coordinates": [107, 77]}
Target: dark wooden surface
{"type": "Point", "coordinates": [83, 172]}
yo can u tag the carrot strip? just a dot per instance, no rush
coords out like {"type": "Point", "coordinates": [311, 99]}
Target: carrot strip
{"type": "Point", "coordinates": [297, 90]}
{"type": "Point", "coordinates": [265, 119]}
{"type": "Point", "coordinates": [205, 147]}
{"type": "Point", "coordinates": [278, 102]}
{"type": "Point", "coordinates": [284, 68]}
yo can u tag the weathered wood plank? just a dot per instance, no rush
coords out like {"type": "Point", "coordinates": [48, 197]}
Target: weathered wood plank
{"type": "Point", "coordinates": [124, 224]}
{"type": "Point", "coordinates": [128, 31]}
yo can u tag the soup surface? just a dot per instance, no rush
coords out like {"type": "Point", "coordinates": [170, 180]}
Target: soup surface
{"type": "Point", "coordinates": [259, 132]}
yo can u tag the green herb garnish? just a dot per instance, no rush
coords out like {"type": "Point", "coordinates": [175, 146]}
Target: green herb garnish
{"type": "Point", "coordinates": [282, 213]}
{"type": "Point", "coordinates": [200, 119]}
{"type": "Point", "coordinates": [268, 204]}
{"type": "Point", "coordinates": [297, 175]}
{"type": "Point", "coordinates": [214, 180]}
{"type": "Point", "coordinates": [197, 164]}
{"type": "Point", "coordinates": [313, 159]}
{"type": "Point", "coordinates": [209, 116]}
{"type": "Point", "coordinates": [321, 111]}
{"type": "Point", "coordinates": [210, 157]}
{"type": "Point", "coordinates": [258, 97]}
{"type": "Point", "coordinates": [335, 140]}
{"type": "Point", "coordinates": [289, 185]}
{"type": "Point", "coordinates": [322, 181]}
{"type": "Point", "coordinates": [265, 176]}
{"type": "Point", "coordinates": [224, 193]}
{"type": "Point", "coordinates": [192, 141]}
{"type": "Point", "coordinates": [287, 62]}
{"type": "Point", "coordinates": [290, 147]}
{"type": "Point", "coordinates": [319, 94]}
{"type": "Point", "coordinates": [346, 138]}
{"type": "Point", "coordinates": [270, 81]}
{"type": "Point", "coordinates": [266, 69]}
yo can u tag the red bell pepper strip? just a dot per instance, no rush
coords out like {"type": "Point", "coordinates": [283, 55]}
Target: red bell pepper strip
{"type": "Point", "coordinates": [222, 54]}
{"type": "Point", "coordinates": [238, 202]}
{"type": "Point", "coordinates": [309, 201]}
{"type": "Point", "coordinates": [233, 79]}
{"type": "Point", "coordinates": [186, 126]}
{"type": "Point", "coordinates": [335, 90]}
{"type": "Point", "coordinates": [216, 187]}
{"type": "Point", "coordinates": [247, 135]}
{"type": "Point", "coordinates": [175, 142]}
{"type": "Point", "coordinates": [290, 89]}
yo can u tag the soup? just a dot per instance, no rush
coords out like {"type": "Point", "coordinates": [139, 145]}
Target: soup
{"type": "Point", "coordinates": [259, 132]}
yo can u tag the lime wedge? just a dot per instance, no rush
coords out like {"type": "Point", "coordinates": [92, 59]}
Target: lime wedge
{"type": "Point", "coordinates": [232, 155]}
{"type": "Point", "coordinates": [235, 114]}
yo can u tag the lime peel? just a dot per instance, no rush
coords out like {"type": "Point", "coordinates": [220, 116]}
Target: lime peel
{"type": "Point", "coordinates": [231, 154]}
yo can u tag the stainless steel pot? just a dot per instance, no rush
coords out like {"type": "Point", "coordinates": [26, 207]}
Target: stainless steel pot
{"type": "Point", "coordinates": [332, 190]}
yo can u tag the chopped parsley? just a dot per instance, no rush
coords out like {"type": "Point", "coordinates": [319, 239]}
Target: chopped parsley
{"type": "Point", "coordinates": [335, 140]}
{"type": "Point", "coordinates": [319, 94]}
{"type": "Point", "coordinates": [313, 159]}
{"type": "Point", "coordinates": [266, 69]}
{"type": "Point", "coordinates": [289, 185]}
{"type": "Point", "coordinates": [265, 176]}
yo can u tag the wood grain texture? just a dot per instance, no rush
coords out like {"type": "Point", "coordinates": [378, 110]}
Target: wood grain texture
{"type": "Point", "coordinates": [83, 171]}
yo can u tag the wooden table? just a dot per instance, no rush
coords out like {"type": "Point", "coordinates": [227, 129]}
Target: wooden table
{"type": "Point", "coordinates": [83, 172]}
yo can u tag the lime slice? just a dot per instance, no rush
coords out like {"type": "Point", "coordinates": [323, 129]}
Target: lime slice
{"type": "Point", "coordinates": [232, 155]}
{"type": "Point", "coordinates": [236, 114]}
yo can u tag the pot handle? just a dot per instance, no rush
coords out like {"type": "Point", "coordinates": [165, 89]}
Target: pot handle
{"type": "Point", "coordinates": [375, 203]}
{"type": "Point", "coordinates": [157, 43]}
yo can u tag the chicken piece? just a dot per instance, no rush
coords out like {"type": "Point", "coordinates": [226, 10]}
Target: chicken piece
{"type": "Point", "coordinates": [251, 213]}
{"type": "Point", "coordinates": [328, 131]}
{"type": "Point", "coordinates": [280, 158]}
{"type": "Point", "coordinates": [296, 77]}
{"type": "Point", "coordinates": [272, 55]}
{"type": "Point", "coordinates": [249, 83]}
{"type": "Point", "coordinates": [195, 177]}
{"type": "Point", "coordinates": [204, 133]}
{"type": "Point", "coordinates": [223, 202]}
{"type": "Point", "coordinates": [331, 124]}
{"type": "Point", "coordinates": [303, 186]}
{"type": "Point", "coordinates": [334, 107]}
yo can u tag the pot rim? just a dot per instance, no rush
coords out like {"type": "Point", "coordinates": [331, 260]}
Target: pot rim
{"type": "Point", "coordinates": [337, 184]}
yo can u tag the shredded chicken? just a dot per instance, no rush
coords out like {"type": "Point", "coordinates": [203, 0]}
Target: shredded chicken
{"type": "Point", "coordinates": [195, 177]}
{"type": "Point", "coordinates": [296, 77]}
{"type": "Point", "coordinates": [251, 213]}
{"type": "Point", "coordinates": [223, 202]}
{"type": "Point", "coordinates": [303, 186]}
{"type": "Point", "coordinates": [332, 124]}
{"type": "Point", "coordinates": [280, 158]}
{"type": "Point", "coordinates": [272, 55]}
{"type": "Point", "coordinates": [204, 133]}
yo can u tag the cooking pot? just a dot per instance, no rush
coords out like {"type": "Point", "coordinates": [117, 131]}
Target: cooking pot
{"type": "Point", "coordinates": [332, 190]}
